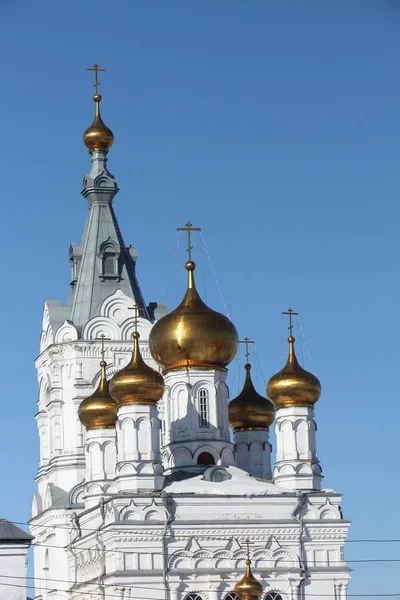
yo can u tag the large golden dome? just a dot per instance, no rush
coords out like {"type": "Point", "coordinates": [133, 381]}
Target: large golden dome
{"type": "Point", "coordinates": [137, 383]}
{"type": "Point", "coordinates": [293, 385]}
{"type": "Point", "coordinates": [98, 136]}
{"type": "Point", "coordinates": [248, 588]}
{"type": "Point", "coordinates": [193, 335]}
{"type": "Point", "coordinates": [250, 410]}
{"type": "Point", "coordinates": [99, 411]}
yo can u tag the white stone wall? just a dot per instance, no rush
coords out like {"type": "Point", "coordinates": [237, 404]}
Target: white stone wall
{"type": "Point", "coordinates": [13, 570]}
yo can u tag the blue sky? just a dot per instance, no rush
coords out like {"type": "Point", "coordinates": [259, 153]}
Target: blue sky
{"type": "Point", "coordinates": [273, 125]}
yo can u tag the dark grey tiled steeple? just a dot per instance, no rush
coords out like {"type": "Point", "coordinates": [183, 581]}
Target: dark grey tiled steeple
{"type": "Point", "coordinates": [102, 263]}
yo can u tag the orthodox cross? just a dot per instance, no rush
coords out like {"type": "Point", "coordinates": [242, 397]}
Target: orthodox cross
{"type": "Point", "coordinates": [96, 69]}
{"type": "Point", "coordinates": [290, 312]}
{"type": "Point", "coordinates": [102, 337]}
{"type": "Point", "coordinates": [188, 227]}
{"type": "Point", "coordinates": [248, 548]}
{"type": "Point", "coordinates": [246, 341]}
{"type": "Point", "coordinates": [136, 310]}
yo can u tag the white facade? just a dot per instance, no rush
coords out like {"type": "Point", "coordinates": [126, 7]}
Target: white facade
{"type": "Point", "coordinates": [131, 512]}
{"type": "Point", "coordinates": [14, 546]}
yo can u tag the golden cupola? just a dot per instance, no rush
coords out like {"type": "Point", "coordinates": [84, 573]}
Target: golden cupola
{"type": "Point", "coordinates": [137, 383]}
{"type": "Point", "coordinates": [248, 588]}
{"type": "Point", "coordinates": [250, 410]}
{"type": "Point", "coordinates": [99, 411]}
{"type": "Point", "coordinates": [98, 136]}
{"type": "Point", "coordinates": [293, 385]}
{"type": "Point", "coordinates": [193, 335]}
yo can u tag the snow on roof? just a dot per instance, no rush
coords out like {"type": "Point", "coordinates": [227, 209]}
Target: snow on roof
{"type": "Point", "coordinates": [240, 484]}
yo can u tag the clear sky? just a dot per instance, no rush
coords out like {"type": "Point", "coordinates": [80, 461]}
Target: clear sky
{"type": "Point", "coordinates": [275, 126]}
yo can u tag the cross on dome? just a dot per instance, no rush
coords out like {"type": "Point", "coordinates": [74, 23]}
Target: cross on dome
{"type": "Point", "coordinates": [247, 341]}
{"type": "Point", "coordinates": [189, 228]}
{"type": "Point", "coordinates": [96, 69]}
{"type": "Point", "coordinates": [291, 313]}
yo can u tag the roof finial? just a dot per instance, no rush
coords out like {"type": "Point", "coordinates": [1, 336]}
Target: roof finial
{"type": "Point", "coordinates": [188, 227]}
{"type": "Point", "coordinates": [96, 69]}
{"type": "Point", "coordinates": [291, 313]}
{"type": "Point", "coordinates": [247, 341]}
{"type": "Point", "coordinates": [98, 136]}
{"type": "Point", "coordinates": [102, 337]}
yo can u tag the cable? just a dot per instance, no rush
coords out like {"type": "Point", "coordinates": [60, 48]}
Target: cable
{"type": "Point", "coordinates": [306, 345]}
{"type": "Point", "coordinates": [259, 363]}
{"type": "Point", "coordinates": [214, 275]}
{"type": "Point", "coordinates": [174, 263]}
{"type": "Point", "coordinates": [350, 541]}
{"type": "Point", "coordinates": [136, 587]}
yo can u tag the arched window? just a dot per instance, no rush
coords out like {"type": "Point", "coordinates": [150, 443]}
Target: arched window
{"type": "Point", "coordinates": [205, 459]}
{"type": "Point", "coordinates": [203, 408]}
{"type": "Point", "coordinates": [193, 596]}
{"type": "Point", "coordinates": [231, 596]}
{"type": "Point", "coordinates": [273, 596]}
{"type": "Point", "coordinates": [109, 257]}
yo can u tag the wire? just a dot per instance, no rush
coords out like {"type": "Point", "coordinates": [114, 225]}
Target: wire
{"type": "Point", "coordinates": [306, 345]}
{"type": "Point", "coordinates": [136, 587]}
{"type": "Point", "coordinates": [174, 264]}
{"type": "Point", "coordinates": [279, 346]}
{"type": "Point", "coordinates": [259, 363]}
{"type": "Point", "coordinates": [350, 541]}
{"type": "Point", "coordinates": [214, 275]}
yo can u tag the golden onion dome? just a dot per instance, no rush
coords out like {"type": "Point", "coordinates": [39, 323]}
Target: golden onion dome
{"type": "Point", "coordinates": [248, 588]}
{"type": "Point", "coordinates": [250, 410]}
{"type": "Point", "coordinates": [98, 136]}
{"type": "Point", "coordinates": [99, 411]}
{"type": "Point", "coordinates": [193, 335]}
{"type": "Point", "coordinates": [293, 385]}
{"type": "Point", "coordinates": [137, 383]}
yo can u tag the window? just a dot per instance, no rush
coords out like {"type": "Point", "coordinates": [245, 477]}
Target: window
{"type": "Point", "coordinates": [108, 264]}
{"type": "Point", "coordinates": [231, 596]}
{"type": "Point", "coordinates": [193, 597]}
{"type": "Point", "coordinates": [273, 596]}
{"type": "Point", "coordinates": [203, 408]}
{"type": "Point", "coordinates": [109, 254]}
{"type": "Point", "coordinates": [205, 459]}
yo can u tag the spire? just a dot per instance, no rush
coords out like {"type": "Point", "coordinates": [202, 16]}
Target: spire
{"type": "Point", "coordinates": [102, 263]}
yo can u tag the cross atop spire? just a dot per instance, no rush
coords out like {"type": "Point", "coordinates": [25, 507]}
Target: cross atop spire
{"type": "Point", "coordinates": [291, 313]}
{"type": "Point", "coordinates": [247, 341]}
{"type": "Point", "coordinates": [96, 69]}
{"type": "Point", "coordinates": [102, 337]}
{"type": "Point", "coordinates": [136, 308]}
{"type": "Point", "coordinates": [188, 227]}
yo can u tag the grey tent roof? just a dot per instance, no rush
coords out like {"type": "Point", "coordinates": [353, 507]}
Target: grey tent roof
{"type": "Point", "coordinates": [11, 533]}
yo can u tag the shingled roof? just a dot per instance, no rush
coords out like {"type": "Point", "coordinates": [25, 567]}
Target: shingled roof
{"type": "Point", "coordinates": [11, 533]}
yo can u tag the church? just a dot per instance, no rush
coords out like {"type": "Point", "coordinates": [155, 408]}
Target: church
{"type": "Point", "coordinates": [154, 483]}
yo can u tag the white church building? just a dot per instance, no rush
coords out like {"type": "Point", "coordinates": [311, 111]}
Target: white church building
{"type": "Point", "coordinates": [153, 483]}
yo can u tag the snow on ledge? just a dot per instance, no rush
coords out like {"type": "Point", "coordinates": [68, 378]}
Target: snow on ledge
{"type": "Point", "coordinates": [241, 484]}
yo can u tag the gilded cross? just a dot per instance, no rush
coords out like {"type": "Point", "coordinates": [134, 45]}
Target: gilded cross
{"type": "Point", "coordinates": [247, 341]}
{"type": "Point", "coordinates": [96, 69]}
{"type": "Point", "coordinates": [188, 227]}
{"type": "Point", "coordinates": [102, 337]}
{"type": "Point", "coordinates": [290, 312]}
{"type": "Point", "coordinates": [248, 548]}
{"type": "Point", "coordinates": [136, 310]}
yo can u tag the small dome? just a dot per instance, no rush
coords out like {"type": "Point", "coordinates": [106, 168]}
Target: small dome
{"type": "Point", "coordinates": [193, 335]}
{"type": "Point", "coordinates": [98, 136]}
{"type": "Point", "coordinates": [99, 411]}
{"type": "Point", "coordinates": [250, 410]}
{"type": "Point", "coordinates": [137, 383]}
{"type": "Point", "coordinates": [248, 588]}
{"type": "Point", "coordinates": [293, 386]}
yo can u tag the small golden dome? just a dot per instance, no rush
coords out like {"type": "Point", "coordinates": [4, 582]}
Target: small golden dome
{"type": "Point", "coordinates": [293, 386]}
{"type": "Point", "coordinates": [99, 411]}
{"type": "Point", "coordinates": [248, 588]}
{"type": "Point", "coordinates": [98, 136]}
{"type": "Point", "coordinates": [250, 410]}
{"type": "Point", "coordinates": [193, 335]}
{"type": "Point", "coordinates": [137, 383]}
